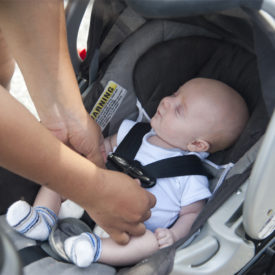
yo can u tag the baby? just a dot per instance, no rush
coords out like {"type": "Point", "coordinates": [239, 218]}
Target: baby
{"type": "Point", "coordinates": [203, 116]}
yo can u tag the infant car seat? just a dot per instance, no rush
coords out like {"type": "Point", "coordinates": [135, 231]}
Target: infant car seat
{"type": "Point", "coordinates": [144, 50]}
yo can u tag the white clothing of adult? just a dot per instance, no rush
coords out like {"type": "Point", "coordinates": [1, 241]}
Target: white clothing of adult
{"type": "Point", "coordinates": [171, 193]}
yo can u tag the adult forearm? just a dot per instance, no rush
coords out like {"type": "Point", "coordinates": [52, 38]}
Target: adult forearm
{"type": "Point", "coordinates": [36, 33]}
{"type": "Point", "coordinates": [29, 149]}
{"type": "Point", "coordinates": [6, 63]}
{"type": "Point", "coordinates": [115, 201]}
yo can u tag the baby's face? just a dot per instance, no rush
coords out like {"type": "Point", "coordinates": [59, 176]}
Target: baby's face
{"type": "Point", "coordinates": [179, 118]}
{"type": "Point", "coordinates": [201, 110]}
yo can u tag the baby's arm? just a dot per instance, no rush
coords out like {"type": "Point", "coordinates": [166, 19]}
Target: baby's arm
{"type": "Point", "coordinates": [82, 251]}
{"type": "Point", "coordinates": [110, 143]}
{"type": "Point", "coordinates": [181, 228]}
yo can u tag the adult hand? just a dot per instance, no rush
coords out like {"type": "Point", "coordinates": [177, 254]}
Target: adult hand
{"type": "Point", "coordinates": [120, 206]}
{"type": "Point", "coordinates": [164, 237]}
{"type": "Point", "coordinates": [80, 133]}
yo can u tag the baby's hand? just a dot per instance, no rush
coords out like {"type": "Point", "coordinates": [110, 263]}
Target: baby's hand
{"type": "Point", "coordinates": [164, 237]}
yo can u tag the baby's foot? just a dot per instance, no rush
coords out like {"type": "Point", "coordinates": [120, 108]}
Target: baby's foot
{"type": "Point", "coordinates": [33, 222]}
{"type": "Point", "coordinates": [83, 249]}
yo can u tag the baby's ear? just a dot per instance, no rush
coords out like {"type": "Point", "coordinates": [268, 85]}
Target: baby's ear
{"type": "Point", "coordinates": [198, 145]}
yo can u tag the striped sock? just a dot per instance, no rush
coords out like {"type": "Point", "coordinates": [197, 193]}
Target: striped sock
{"type": "Point", "coordinates": [33, 222]}
{"type": "Point", "coordinates": [83, 249]}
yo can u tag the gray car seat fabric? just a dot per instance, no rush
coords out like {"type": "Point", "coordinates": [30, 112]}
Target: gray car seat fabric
{"type": "Point", "coordinates": [135, 65]}
{"type": "Point", "coordinates": [156, 77]}
{"type": "Point", "coordinates": [149, 70]}
{"type": "Point", "coordinates": [121, 68]}
{"type": "Point", "coordinates": [49, 265]}
{"type": "Point", "coordinates": [15, 188]}
{"type": "Point", "coordinates": [167, 65]}
{"type": "Point", "coordinates": [45, 265]}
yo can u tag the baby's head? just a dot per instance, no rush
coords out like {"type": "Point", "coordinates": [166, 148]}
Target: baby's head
{"type": "Point", "coordinates": [203, 115]}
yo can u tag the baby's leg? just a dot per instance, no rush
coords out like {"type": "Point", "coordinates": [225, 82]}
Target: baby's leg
{"type": "Point", "coordinates": [35, 222]}
{"type": "Point", "coordinates": [87, 248]}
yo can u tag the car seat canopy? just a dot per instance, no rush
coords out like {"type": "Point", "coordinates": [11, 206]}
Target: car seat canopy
{"type": "Point", "coordinates": [179, 8]}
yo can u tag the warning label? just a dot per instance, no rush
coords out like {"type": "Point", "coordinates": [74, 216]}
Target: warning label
{"type": "Point", "coordinates": [108, 103]}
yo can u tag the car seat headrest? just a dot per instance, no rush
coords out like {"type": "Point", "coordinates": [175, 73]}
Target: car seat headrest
{"type": "Point", "coordinates": [167, 65]}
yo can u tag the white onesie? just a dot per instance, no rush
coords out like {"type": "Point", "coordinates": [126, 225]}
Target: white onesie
{"type": "Point", "coordinates": [171, 193]}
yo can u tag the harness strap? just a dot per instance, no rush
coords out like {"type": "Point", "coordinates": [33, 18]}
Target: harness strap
{"type": "Point", "coordinates": [129, 146]}
{"type": "Point", "coordinates": [123, 160]}
{"type": "Point", "coordinates": [176, 166]}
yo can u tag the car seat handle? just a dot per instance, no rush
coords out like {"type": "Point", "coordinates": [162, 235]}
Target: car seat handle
{"type": "Point", "coordinates": [74, 13]}
{"type": "Point", "coordinates": [180, 8]}
{"type": "Point", "coordinates": [259, 205]}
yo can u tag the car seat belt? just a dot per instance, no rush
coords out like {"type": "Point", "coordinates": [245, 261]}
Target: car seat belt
{"type": "Point", "coordinates": [123, 160]}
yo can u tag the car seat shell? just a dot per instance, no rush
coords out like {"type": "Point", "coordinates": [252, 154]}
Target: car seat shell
{"type": "Point", "coordinates": [224, 230]}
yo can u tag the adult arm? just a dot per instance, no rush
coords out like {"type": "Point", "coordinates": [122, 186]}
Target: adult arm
{"type": "Point", "coordinates": [6, 63]}
{"type": "Point", "coordinates": [114, 200]}
{"type": "Point", "coordinates": [35, 32]}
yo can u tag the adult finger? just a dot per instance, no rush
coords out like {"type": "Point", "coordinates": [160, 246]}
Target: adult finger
{"type": "Point", "coordinates": [152, 200]}
{"type": "Point", "coordinates": [138, 181]}
{"type": "Point", "coordinates": [120, 237]}
{"type": "Point", "coordinates": [136, 229]}
{"type": "Point", "coordinates": [146, 216]}
{"type": "Point", "coordinates": [97, 158]}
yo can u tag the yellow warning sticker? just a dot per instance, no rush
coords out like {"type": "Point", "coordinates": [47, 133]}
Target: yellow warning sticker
{"type": "Point", "coordinates": [108, 103]}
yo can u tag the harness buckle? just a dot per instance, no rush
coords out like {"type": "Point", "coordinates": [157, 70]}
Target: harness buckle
{"type": "Point", "coordinates": [132, 171]}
